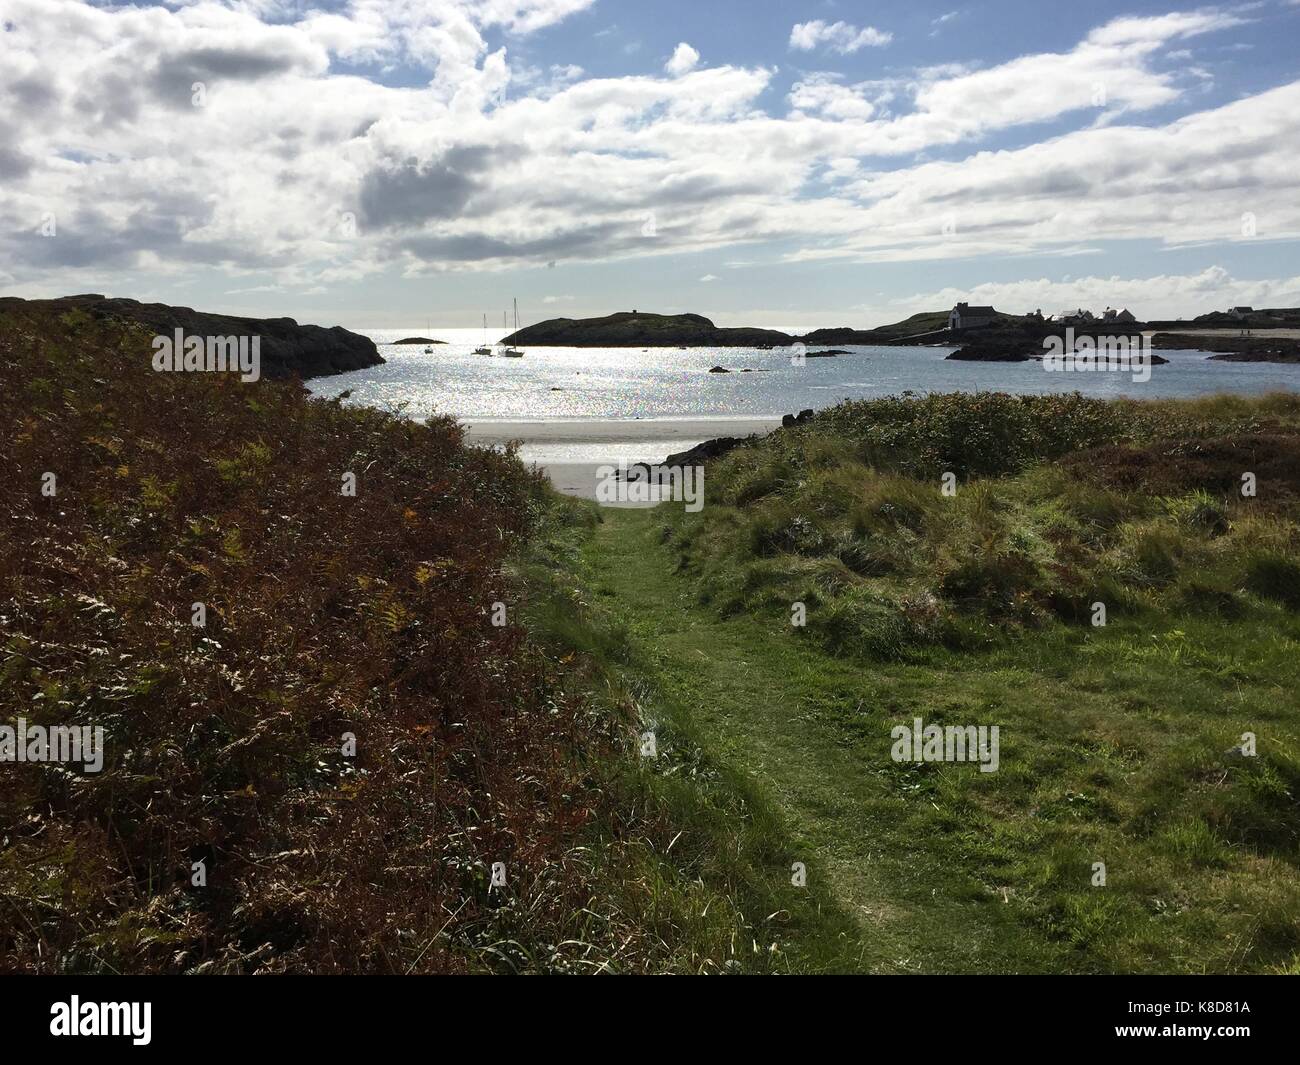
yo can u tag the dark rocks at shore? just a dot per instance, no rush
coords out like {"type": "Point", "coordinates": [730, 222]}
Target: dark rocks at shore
{"type": "Point", "coordinates": [1031, 344]}
{"type": "Point", "coordinates": [418, 340]}
{"type": "Point", "coordinates": [1108, 357]}
{"type": "Point", "coordinates": [1271, 354]}
{"type": "Point", "coordinates": [709, 449]}
{"type": "Point", "coordinates": [1245, 348]}
{"type": "Point", "coordinates": [995, 352]}
{"type": "Point", "coordinates": [719, 446]}
{"type": "Point", "coordinates": [824, 354]}
{"type": "Point", "coordinates": [695, 456]}
{"type": "Point", "coordinates": [287, 348]}
{"type": "Point", "coordinates": [719, 369]}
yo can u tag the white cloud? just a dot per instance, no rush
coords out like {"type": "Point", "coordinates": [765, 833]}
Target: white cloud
{"type": "Point", "coordinates": [304, 173]}
{"type": "Point", "coordinates": [941, 21]}
{"type": "Point", "coordinates": [1197, 179]}
{"type": "Point", "coordinates": [1165, 295]}
{"type": "Point", "coordinates": [837, 36]}
{"type": "Point", "coordinates": [821, 93]}
{"type": "Point", "coordinates": [683, 60]}
{"type": "Point", "coordinates": [709, 277]}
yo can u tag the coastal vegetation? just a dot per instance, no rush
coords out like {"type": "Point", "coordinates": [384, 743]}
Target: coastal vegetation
{"type": "Point", "coordinates": [431, 717]}
{"type": "Point", "coordinates": [1117, 584]}
{"type": "Point", "coordinates": [320, 749]}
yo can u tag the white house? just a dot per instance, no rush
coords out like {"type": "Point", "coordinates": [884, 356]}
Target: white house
{"type": "Point", "coordinates": [964, 316]}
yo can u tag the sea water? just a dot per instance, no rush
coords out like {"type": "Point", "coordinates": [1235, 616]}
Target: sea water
{"type": "Point", "coordinates": [577, 385]}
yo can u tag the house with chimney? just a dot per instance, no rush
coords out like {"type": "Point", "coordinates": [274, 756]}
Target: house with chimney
{"type": "Point", "coordinates": [964, 316]}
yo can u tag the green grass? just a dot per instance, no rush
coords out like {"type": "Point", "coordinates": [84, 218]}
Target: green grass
{"type": "Point", "coordinates": [368, 615]}
{"type": "Point", "coordinates": [1117, 741]}
{"type": "Point", "coordinates": [693, 855]}
{"type": "Point", "coordinates": [1113, 746]}
{"type": "Point", "coordinates": [784, 724]}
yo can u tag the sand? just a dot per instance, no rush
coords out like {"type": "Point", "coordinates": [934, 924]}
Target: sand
{"type": "Point", "coordinates": [570, 450]}
{"type": "Point", "coordinates": [611, 430]}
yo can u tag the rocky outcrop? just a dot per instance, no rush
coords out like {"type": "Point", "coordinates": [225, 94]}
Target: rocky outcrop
{"type": "Point", "coordinates": [287, 348]}
{"type": "Point", "coordinates": [1029, 344]}
{"type": "Point", "coordinates": [996, 352]}
{"type": "Point", "coordinates": [1257, 347]}
{"type": "Point", "coordinates": [418, 340]}
{"type": "Point", "coordinates": [719, 446]}
{"type": "Point", "coordinates": [710, 449]}
{"type": "Point", "coordinates": [1269, 354]}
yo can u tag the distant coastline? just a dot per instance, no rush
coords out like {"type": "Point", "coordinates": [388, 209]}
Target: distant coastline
{"type": "Point", "coordinates": [1263, 336]}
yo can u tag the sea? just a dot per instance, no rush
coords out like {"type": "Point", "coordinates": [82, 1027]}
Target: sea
{"type": "Point", "coordinates": [562, 388]}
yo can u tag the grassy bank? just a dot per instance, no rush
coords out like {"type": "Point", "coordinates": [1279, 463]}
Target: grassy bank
{"type": "Point", "coordinates": [1120, 741]}
{"type": "Point", "coordinates": [317, 739]}
{"type": "Point", "coordinates": [329, 714]}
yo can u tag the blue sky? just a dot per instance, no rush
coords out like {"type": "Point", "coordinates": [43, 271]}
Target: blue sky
{"type": "Point", "coordinates": [411, 161]}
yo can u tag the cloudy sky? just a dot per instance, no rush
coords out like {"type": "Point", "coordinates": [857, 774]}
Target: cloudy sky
{"type": "Point", "coordinates": [767, 162]}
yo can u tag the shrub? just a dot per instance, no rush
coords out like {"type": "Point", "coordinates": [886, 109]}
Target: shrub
{"type": "Point", "coordinates": [326, 615]}
{"type": "Point", "coordinates": [1274, 576]}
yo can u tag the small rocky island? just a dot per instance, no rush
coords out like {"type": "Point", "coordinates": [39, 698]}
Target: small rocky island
{"type": "Point", "coordinates": [418, 340]}
{"type": "Point", "coordinates": [640, 329]}
{"type": "Point", "coordinates": [287, 348]}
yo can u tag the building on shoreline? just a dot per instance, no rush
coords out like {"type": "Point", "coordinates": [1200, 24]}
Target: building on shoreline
{"type": "Point", "coordinates": [964, 316]}
{"type": "Point", "coordinates": [1083, 316]}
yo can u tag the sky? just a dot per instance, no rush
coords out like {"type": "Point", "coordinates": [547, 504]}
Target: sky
{"type": "Point", "coordinates": [374, 163]}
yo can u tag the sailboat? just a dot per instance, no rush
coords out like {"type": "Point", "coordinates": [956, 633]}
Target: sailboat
{"type": "Point", "coordinates": [484, 349]}
{"type": "Point", "coordinates": [509, 352]}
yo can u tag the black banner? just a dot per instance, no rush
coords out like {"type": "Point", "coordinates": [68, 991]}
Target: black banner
{"type": "Point", "coordinates": [151, 1014]}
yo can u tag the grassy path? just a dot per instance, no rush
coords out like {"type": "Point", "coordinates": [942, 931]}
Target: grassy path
{"type": "Point", "coordinates": [783, 716]}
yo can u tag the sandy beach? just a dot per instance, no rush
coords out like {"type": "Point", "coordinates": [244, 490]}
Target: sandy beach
{"type": "Point", "coordinates": [570, 450]}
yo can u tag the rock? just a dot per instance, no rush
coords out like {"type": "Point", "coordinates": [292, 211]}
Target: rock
{"type": "Point", "coordinates": [710, 449]}
{"type": "Point", "coordinates": [719, 369]}
{"type": "Point", "coordinates": [982, 352]}
{"type": "Point", "coordinates": [695, 456]}
{"type": "Point", "coordinates": [287, 348]}
{"type": "Point", "coordinates": [824, 354]}
{"type": "Point", "coordinates": [789, 420]}
{"type": "Point", "coordinates": [1265, 355]}
{"type": "Point", "coordinates": [418, 340]}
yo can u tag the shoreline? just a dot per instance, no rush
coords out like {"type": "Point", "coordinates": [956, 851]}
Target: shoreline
{"type": "Point", "coordinates": [570, 451]}
{"type": "Point", "coordinates": [614, 430]}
